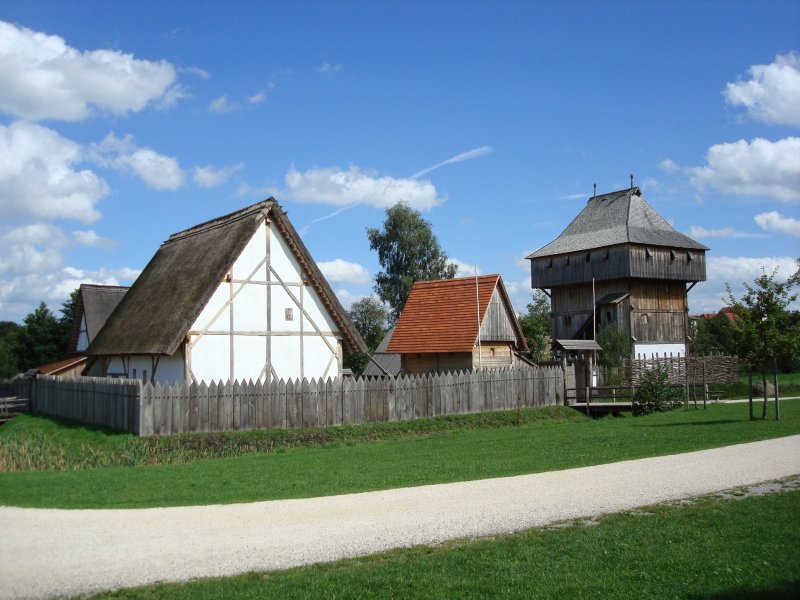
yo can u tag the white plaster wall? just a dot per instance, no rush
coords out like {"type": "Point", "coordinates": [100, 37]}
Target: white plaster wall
{"type": "Point", "coordinates": [286, 356]}
{"type": "Point", "coordinates": [317, 356]}
{"type": "Point", "coordinates": [115, 367]}
{"type": "Point", "coordinates": [251, 260]}
{"type": "Point", "coordinates": [170, 369]}
{"type": "Point", "coordinates": [318, 313]}
{"type": "Point", "coordinates": [282, 259]}
{"type": "Point", "coordinates": [662, 350]}
{"type": "Point", "coordinates": [210, 358]}
{"type": "Point", "coordinates": [249, 357]}
{"type": "Point", "coordinates": [217, 301]}
{"type": "Point", "coordinates": [281, 300]}
{"type": "Point", "coordinates": [250, 308]}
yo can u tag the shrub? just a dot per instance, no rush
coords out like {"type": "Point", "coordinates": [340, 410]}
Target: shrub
{"type": "Point", "coordinates": [654, 394]}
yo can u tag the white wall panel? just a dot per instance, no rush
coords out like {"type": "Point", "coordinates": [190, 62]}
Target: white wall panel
{"type": "Point", "coordinates": [661, 350]}
{"type": "Point", "coordinates": [317, 355]}
{"type": "Point", "coordinates": [250, 308]}
{"type": "Point", "coordinates": [280, 302]}
{"type": "Point", "coordinates": [216, 302]}
{"type": "Point", "coordinates": [251, 256]}
{"type": "Point", "coordinates": [250, 356]}
{"type": "Point", "coordinates": [286, 356]}
{"type": "Point", "coordinates": [211, 358]}
{"type": "Point", "coordinates": [282, 259]}
{"type": "Point", "coordinates": [317, 311]}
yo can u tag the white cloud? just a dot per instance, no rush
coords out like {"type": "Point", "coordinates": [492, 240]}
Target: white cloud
{"type": "Point", "coordinates": [222, 105]}
{"type": "Point", "coordinates": [758, 168]}
{"type": "Point", "coordinates": [469, 155]}
{"type": "Point", "coordinates": [336, 186]}
{"type": "Point", "coordinates": [30, 248]}
{"type": "Point", "coordinates": [20, 294]}
{"type": "Point", "coordinates": [521, 260]}
{"type": "Point", "coordinates": [711, 295]}
{"type": "Point", "coordinates": [347, 298]}
{"type": "Point", "coordinates": [90, 238]}
{"type": "Point", "coordinates": [668, 165]}
{"type": "Point", "coordinates": [156, 170]}
{"type": "Point", "coordinates": [342, 271]}
{"type": "Point", "coordinates": [257, 98]}
{"type": "Point", "coordinates": [775, 221]}
{"type": "Point", "coordinates": [464, 269]}
{"type": "Point", "coordinates": [201, 73]}
{"type": "Point", "coordinates": [772, 94]}
{"type": "Point", "coordinates": [245, 190]}
{"type": "Point", "coordinates": [38, 176]}
{"type": "Point", "coordinates": [209, 177]}
{"type": "Point", "coordinates": [329, 70]}
{"type": "Point", "coordinates": [41, 77]}
{"type": "Point", "coordinates": [699, 232]}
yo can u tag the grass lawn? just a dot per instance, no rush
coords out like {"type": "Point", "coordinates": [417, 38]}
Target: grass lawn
{"type": "Point", "coordinates": [745, 548]}
{"type": "Point", "coordinates": [444, 453]}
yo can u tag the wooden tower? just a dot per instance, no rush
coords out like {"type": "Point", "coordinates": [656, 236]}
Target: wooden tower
{"type": "Point", "coordinates": [622, 263]}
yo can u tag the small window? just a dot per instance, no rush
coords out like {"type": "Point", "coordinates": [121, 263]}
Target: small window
{"type": "Point", "coordinates": [566, 261]}
{"type": "Point", "coordinates": [648, 254]}
{"type": "Point", "coordinates": [608, 315]}
{"type": "Point", "coordinates": [567, 320]}
{"type": "Point", "coordinates": [689, 257]}
{"type": "Point", "coordinates": [134, 374]}
{"type": "Point", "coordinates": [144, 375]}
{"type": "Point", "coordinates": [672, 255]}
{"type": "Point", "coordinates": [491, 350]}
{"type": "Point", "coordinates": [289, 314]}
{"type": "Point", "coordinates": [550, 264]}
{"type": "Point", "coordinates": [605, 255]}
{"type": "Point", "coordinates": [588, 256]}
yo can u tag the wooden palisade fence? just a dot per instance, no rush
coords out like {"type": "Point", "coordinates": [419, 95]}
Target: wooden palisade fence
{"type": "Point", "coordinates": [164, 409]}
{"type": "Point", "coordinates": [698, 369]}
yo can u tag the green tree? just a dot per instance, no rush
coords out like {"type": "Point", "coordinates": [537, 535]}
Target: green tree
{"type": "Point", "coordinates": [408, 251]}
{"type": "Point", "coordinates": [713, 335]}
{"type": "Point", "coordinates": [795, 279]}
{"type": "Point", "coordinates": [40, 340]}
{"type": "Point", "coordinates": [763, 326]}
{"type": "Point", "coordinates": [537, 325]}
{"type": "Point", "coordinates": [370, 317]}
{"type": "Point", "coordinates": [616, 345]}
{"type": "Point", "coordinates": [8, 362]}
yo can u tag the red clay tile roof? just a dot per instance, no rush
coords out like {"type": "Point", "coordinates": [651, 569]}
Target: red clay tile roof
{"type": "Point", "coordinates": [440, 316]}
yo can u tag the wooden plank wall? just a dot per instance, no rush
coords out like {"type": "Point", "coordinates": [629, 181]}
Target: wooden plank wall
{"type": "Point", "coordinates": [113, 403]}
{"type": "Point", "coordinates": [158, 409]}
{"type": "Point", "coordinates": [171, 409]}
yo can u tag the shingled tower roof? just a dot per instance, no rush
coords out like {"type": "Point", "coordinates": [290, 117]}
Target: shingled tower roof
{"type": "Point", "coordinates": [617, 218]}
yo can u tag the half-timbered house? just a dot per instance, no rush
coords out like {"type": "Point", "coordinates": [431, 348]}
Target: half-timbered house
{"type": "Point", "coordinates": [458, 324]}
{"type": "Point", "coordinates": [236, 298]}
{"type": "Point", "coordinates": [620, 262]}
{"type": "Point", "coordinates": [93, 306]}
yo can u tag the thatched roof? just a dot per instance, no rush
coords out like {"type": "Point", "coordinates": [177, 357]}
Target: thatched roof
{"type": "Point", "coordinates": [617, 218]}
{"type": "Point", "coordinates": [95, 303]}
{"type": "Point", "coordinates": [163, 303]}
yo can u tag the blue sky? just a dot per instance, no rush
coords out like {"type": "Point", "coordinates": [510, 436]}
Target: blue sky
{"type": "Point", "coordinates": [122, 122]}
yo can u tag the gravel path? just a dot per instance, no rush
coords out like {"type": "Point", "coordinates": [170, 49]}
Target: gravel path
{"type": "Point", "coordinates": [49, 552]}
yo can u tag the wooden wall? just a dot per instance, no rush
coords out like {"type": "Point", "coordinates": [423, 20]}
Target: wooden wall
{"type": "Point", "coordinates": [618, 262]}
{"type": "Point", "coordinates": [655, 310]}
{"type": "Point", "coordinates": [169, 409]}
{"type": "Point", "coordinates": [497, 325]}
{"type": "Point", "coordinates": [435, 362]}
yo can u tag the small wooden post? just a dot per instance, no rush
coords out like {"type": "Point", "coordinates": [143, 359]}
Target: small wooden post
{"type": "Point", "coordinates": [750, 390]}
{"type": "Point", "coordinates": [705, 386]}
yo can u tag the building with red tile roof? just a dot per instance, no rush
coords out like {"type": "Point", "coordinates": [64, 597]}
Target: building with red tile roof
{"type": "Point", "coordinates": [458, 324]}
